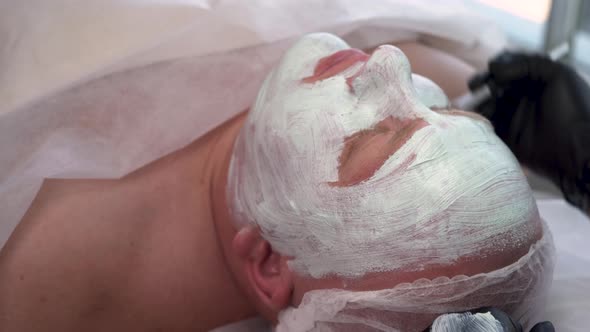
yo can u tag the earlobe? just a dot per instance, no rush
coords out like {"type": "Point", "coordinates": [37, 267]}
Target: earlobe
{"type": "Point", "coordinates": [266, 270]}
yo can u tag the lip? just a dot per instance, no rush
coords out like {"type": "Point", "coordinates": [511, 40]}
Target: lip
{"type": "Point", "coordinates": [336, 63]}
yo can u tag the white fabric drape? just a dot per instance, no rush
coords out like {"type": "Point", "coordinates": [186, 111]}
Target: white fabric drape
{"type": "Point", "coordinates": [99, 88]}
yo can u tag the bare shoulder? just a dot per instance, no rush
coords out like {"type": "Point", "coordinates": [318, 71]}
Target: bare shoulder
{"type": "Point", "coordinates": [68, 217]}
{"type": "Point", "coordinates": [58, 262]}
{"type": "Point", "coordinates": [132, 254]}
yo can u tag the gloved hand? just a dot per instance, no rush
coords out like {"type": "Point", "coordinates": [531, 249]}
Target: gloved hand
{"type": "Point", "coordinates": [541, 109]}
{"type": "Point", "coordinates": [470, 321]}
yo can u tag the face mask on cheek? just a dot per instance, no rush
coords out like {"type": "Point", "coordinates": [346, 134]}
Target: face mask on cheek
{"type": "Point", "coordinates": [451, 190]}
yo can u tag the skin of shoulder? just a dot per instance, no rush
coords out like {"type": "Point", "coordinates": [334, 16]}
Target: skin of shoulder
{"type": "Point", "coordinates": [57, 251]}
{"type": "Point", "coordinates": [133, 254]}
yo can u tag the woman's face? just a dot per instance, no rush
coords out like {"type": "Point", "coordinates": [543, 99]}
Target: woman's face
{"type": "Point", "coordinates": [355, 169]}
{"type": "Point", "coordinates": [348, 164]}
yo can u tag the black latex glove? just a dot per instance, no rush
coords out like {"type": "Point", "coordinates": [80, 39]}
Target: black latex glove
{"type": "Point", "coordinates": [541, 109]}
{"type": "Point", "coordinates": [508, 324]}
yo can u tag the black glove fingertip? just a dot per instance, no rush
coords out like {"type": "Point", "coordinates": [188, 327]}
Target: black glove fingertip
{"type": "Point", "coordinates": [478, 80]}
{"type": "Point", "coordinates": [543, 327]}
{"type": "Point", "coordinates": [509, 67]}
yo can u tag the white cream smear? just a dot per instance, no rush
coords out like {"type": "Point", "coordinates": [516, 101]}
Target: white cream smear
{"type": "Point", "coordinates": [450, 189]}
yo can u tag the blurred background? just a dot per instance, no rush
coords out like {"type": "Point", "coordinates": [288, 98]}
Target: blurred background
{"type": "Point", "coordinates": [543, 24]}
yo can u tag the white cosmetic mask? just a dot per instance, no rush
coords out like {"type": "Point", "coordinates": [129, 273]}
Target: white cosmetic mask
{"type": "Point", "coordinates": [448, 192]}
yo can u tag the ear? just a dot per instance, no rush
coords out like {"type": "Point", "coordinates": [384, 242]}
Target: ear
{"type": "Point", "coordinates": [266, 271]}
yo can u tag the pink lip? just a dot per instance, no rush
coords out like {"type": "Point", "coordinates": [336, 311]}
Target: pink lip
{"type": "Point", "coordinates": [336, 63]}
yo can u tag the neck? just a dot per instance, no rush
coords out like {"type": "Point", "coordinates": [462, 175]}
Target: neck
{"type": "Point", "coordinates": [221, 156]}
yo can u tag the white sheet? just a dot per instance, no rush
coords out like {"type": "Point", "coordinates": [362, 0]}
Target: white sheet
{"type": "Point", "coordinates": [177, 69]}
{"type": "Point", "coordinates": [569, 297]}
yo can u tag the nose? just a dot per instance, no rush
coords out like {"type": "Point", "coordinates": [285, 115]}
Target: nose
{"type": "Point", "coordinates": [386, 74]}
{"type": "Point", "coordinates": [391, 63]}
